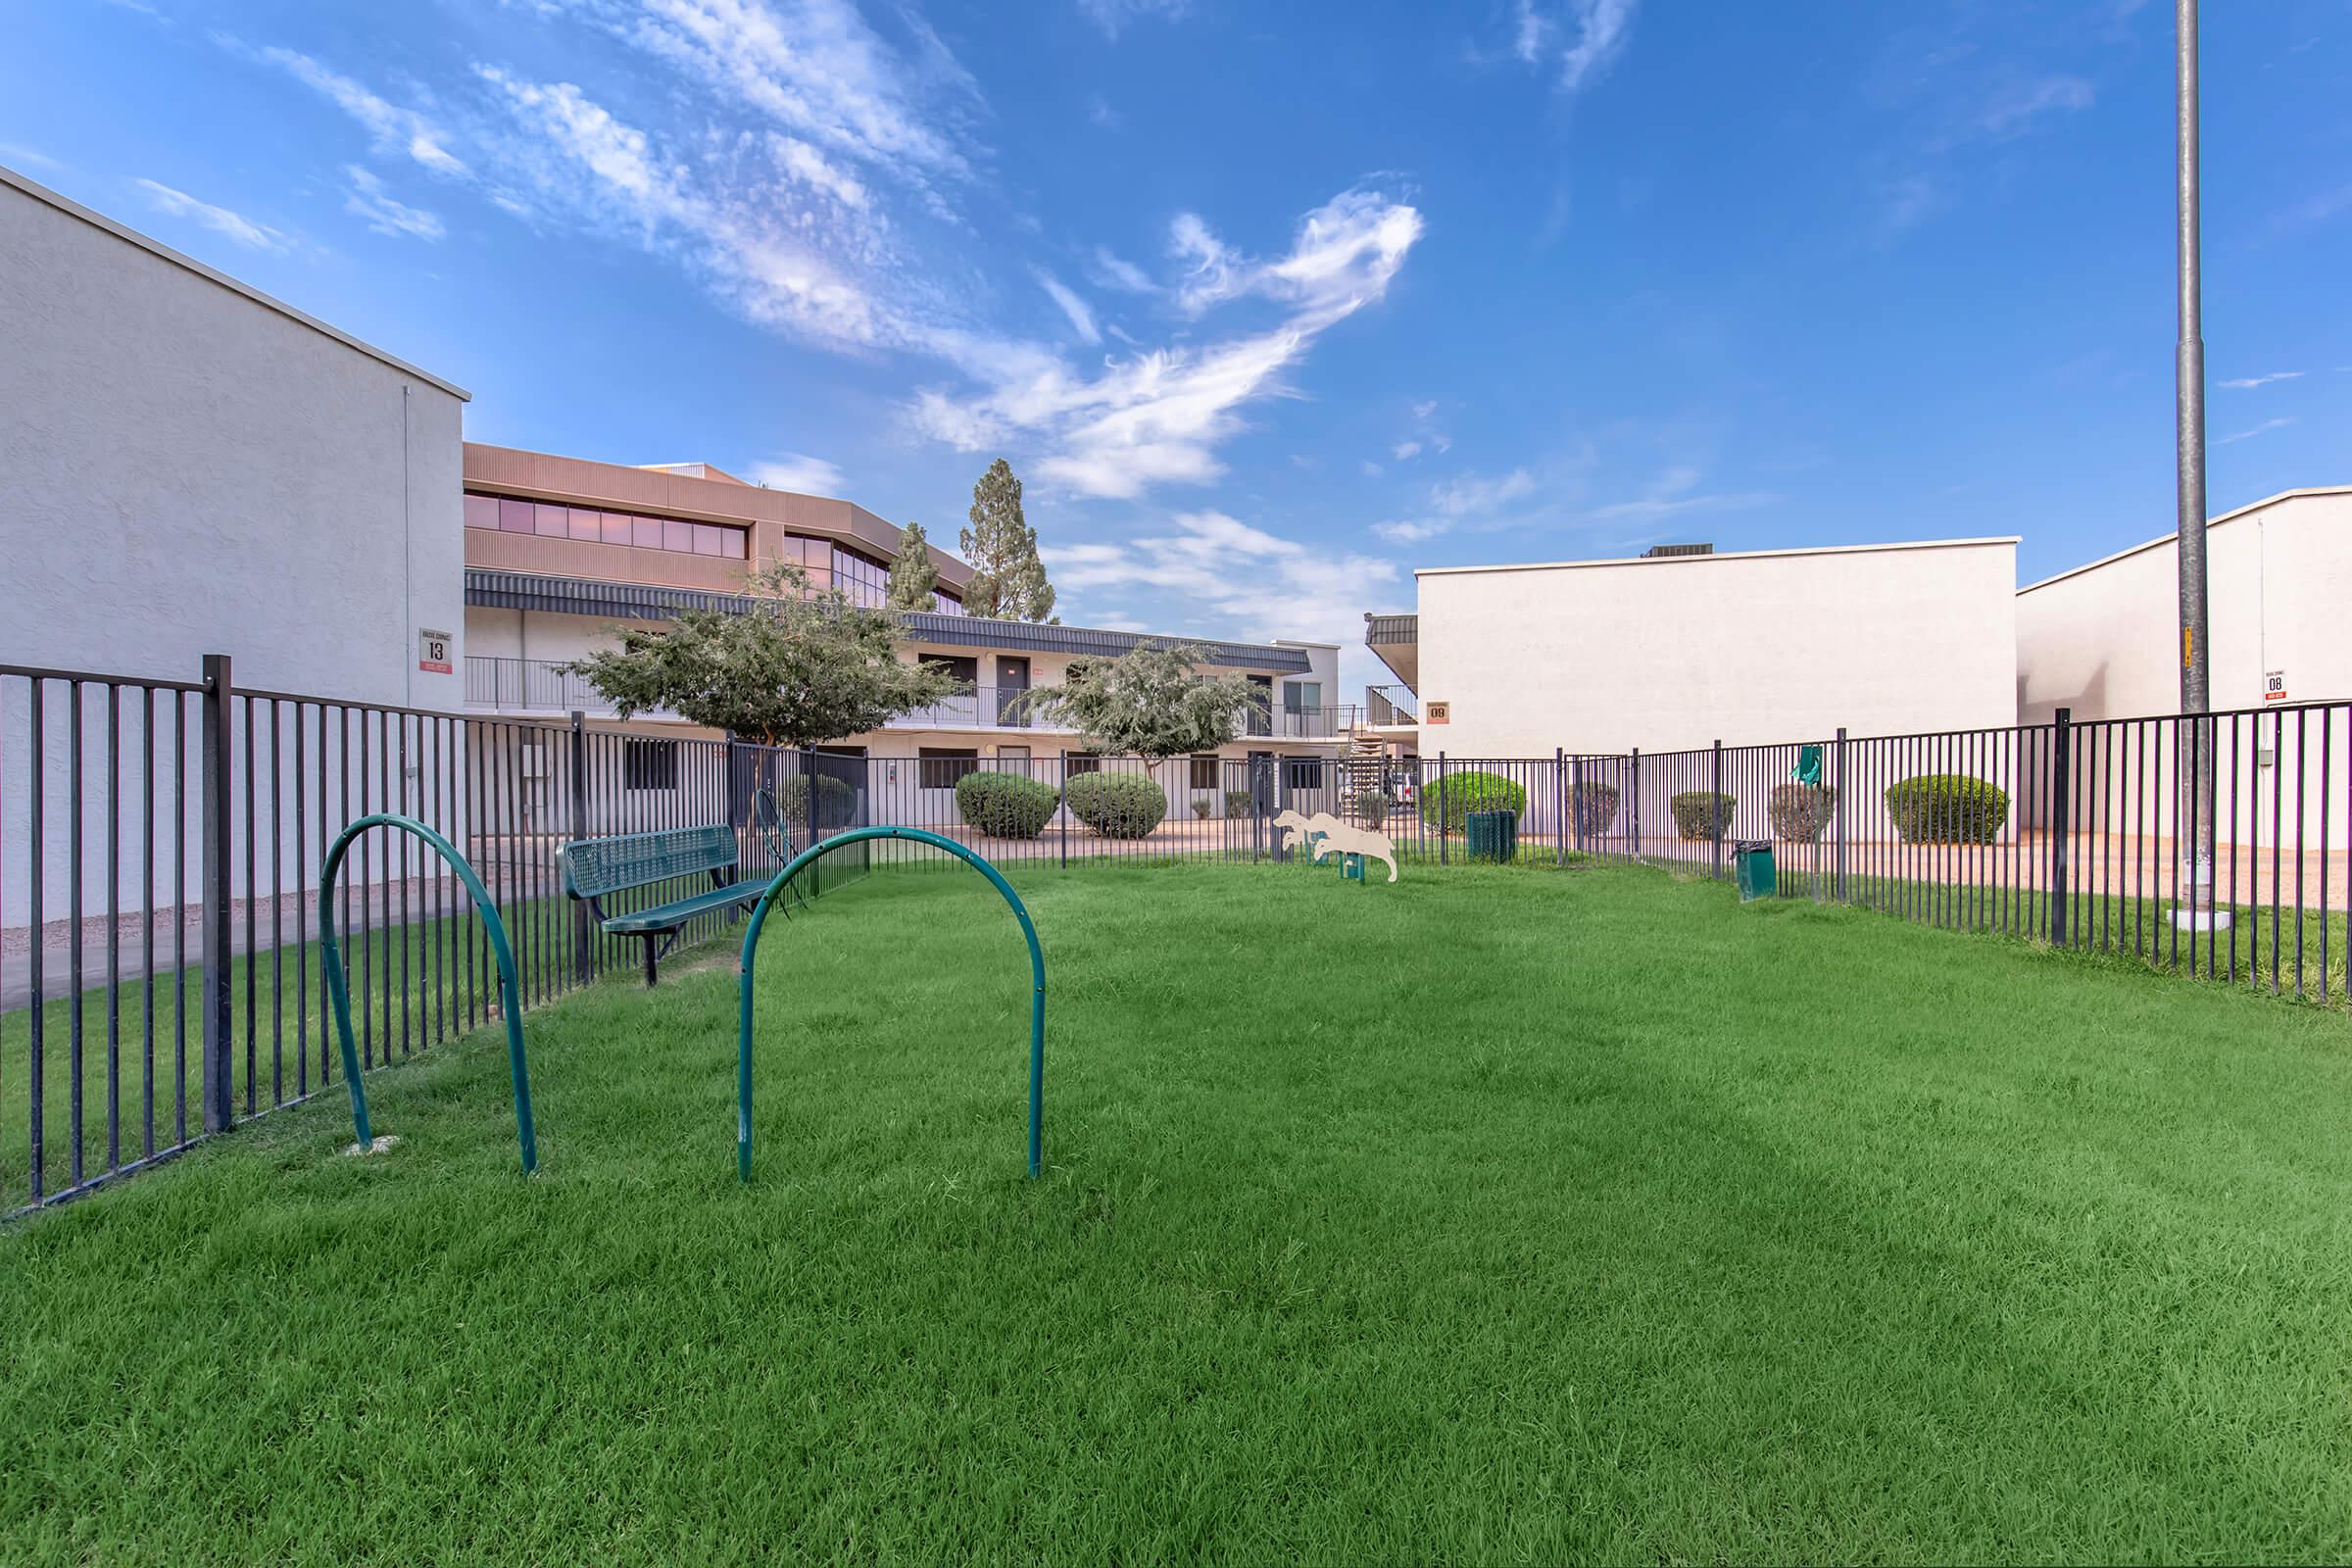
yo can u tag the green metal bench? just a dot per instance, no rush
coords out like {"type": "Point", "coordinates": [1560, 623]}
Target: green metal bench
{"type": "Point", "coordinates": [594, 869]}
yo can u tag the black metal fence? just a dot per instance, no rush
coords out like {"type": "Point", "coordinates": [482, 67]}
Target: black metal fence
{"type": "Point", "coordinates": [160, 844]}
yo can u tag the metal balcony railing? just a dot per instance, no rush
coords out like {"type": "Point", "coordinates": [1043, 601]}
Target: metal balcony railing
{"type": "Point", "coordinates": [1392, 705]}
{"type": "Point", "coordinates": [528, 685]}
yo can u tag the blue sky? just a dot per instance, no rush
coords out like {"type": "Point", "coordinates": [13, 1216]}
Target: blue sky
{"type": "Point", "coordinates": [1271, 303]}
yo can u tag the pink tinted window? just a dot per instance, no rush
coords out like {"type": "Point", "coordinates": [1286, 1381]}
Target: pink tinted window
{"type": "Point", "coordinates": [616, 528]}
{"type": "Point", "coordinates": [645, 532]}
{"type": "Point", "coordinates": [482, 512]}
{"type": "Point", "coordinates": [678, 536]}
{"type": "Point", "coordinates": [710, 540]}
{"type": "Point", "coordinates": [554, 522]}
{"type": "Point", "coordinates": [587, 524]}
{"type": "Point", "coordinates": [516, 517]}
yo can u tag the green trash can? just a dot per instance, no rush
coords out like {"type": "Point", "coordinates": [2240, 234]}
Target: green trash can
{"type": "Point", "coordinates": [1492, 835]}
{"type": "Point", "coordinates": [1751, 859]}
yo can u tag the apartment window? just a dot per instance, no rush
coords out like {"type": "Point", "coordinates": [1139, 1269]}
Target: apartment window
{"type": "Point", "coordinates": [1013, 760]}
{"type": "Point", "coordinates": [866, 583]}
{"type": "Point", "coordinates": [482, 512]}
{"type": "Point", "coordinates": [649, 764]}
{"type": "Point", "coordinates": [517, 516]}
{"type": "Point", "coordinates": [940, 766]}
{"type": "Point", "coordinates": [1205, 772]}
{"type": "Point", "coordinates": [945, 603]}
{"type": "Point", "coordinates": [645, 532]}
{"type": "Point", "coordinates": [619, 529]}
{"type": "Point", "coordinates": [551, 522]}
{"type": "Point", "coordinates": [965, 672]}
{"type": "Point", "coordinates": [1302, 772]}
{"type": "Point", "coordinates": [1077, 762]}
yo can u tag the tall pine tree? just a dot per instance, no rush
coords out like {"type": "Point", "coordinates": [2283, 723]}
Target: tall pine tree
{"type": "Point", "coordinates": [1009, 581]}
{"type": "Point", "coordinates": [913, 576]}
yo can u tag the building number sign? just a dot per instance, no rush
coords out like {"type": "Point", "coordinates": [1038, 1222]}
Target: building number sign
{"type": "Point", "coordinates": [2273, 686]}
{"type": "Point", "coordinates": [432, 652]}
{"type": "Point", "coordinates": [1436, 713]}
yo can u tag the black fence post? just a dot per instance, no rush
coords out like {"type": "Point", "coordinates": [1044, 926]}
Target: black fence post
{"type": "Point", "coordinates": [1442, 860]}
{"type": "Point", "coordinates": [1066, 809]}
{"type": "Point", "coordinates": [2061, 821]}
{"type": "Point", "coordinates": [1632, 803]}
{"type": "Point", "coordinates": [220, 1028]}
{"type": "Point", "coordinates": [1715, 821]}
{"type": "Point", "coordinates": [583, 955]}
{"type": "Point", "coordinates": [1837, 808]}
{"type": "Point", "coordinates": [1576, 799]}
{"type": "Point", "coordinates": [1559, 789]}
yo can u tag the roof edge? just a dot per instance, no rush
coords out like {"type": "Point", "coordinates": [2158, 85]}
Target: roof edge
{"type": "Point", "coordinates": [2307, 492]}
{"type": "Point", "coordinates": [1726, 555]}
{"type": "Point", "coordinates": [124, 231]}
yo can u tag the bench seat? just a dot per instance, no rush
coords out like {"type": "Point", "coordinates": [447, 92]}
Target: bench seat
{"type": "Point", "coordinates": [596, 869]}
{"type": "Point", "coordinates": [670, 916]}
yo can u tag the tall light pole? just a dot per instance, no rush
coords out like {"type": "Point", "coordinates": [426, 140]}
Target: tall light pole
{"type": "Point", "coordinates": [2196, 691]}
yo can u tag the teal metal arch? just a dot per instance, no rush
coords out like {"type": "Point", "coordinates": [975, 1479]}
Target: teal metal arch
{"type": "Point", "coordinates": [751, 951]}
{"type": "Point", "coordinates": [509, 990]}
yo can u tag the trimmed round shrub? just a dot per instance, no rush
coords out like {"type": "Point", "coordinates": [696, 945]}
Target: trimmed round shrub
{"type": "Point", "coordinates": [1701, 814]}
{"type": "Point", "coordinates": [1006, 806]}
{"type": "Point", "coordinates": [1117, 806]}
{"type": "Point", "coordinates": [1948, 809]}
{"type": "Point", "coordinates": [1444, 807]}
{"type": "Point", "coordinates": [1239, 803]}
{"type": "Point", "coordinates": [1799, 812]}
{"type": "Point", "coordinates": [1595, 809]}
{"type": "Point", "coordinates": [836, 803]}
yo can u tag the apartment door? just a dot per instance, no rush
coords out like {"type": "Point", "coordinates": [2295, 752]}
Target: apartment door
{"type": "Point", "coordinates": [1261, 713]}
{"type": "Point", "coordinates": [1301, 706]}
{"type": "Point", "coordinates": [1012, 683]}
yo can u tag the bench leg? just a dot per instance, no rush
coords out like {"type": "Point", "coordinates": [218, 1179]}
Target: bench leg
{"type": "Point", "coordinates": [649, 958]}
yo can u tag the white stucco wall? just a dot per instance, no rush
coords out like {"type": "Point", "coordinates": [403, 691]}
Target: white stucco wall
{"type": "Point", "coordinates": [1743, 648]}
{"type": "Point", "coordinates": [188, 467]}
{"type": "Point", "coordinates": [2104, 641]}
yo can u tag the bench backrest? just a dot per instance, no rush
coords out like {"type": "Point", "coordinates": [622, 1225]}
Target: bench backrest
{"type": "Point", "coordinates": [594, 867]}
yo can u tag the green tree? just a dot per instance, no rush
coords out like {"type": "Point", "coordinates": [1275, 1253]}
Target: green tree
{"type": "Point", "coordinates": [1154, 702]}
{"type": "Point", "coordinates": [795, 669]}
{"type": "Point", "coordinates": [1009, 581]}
{"type": "Point", "coordinates": [912, 576]}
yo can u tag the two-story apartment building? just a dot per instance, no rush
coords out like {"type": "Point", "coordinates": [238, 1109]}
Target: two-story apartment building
{"type": "Point", "coordinates": [561, 551]}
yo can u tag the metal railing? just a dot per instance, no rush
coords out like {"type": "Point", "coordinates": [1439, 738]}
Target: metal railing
{"type": "Point", "coordinates": [1394, 704]}
{"type": "Point", "coordinates": [528, 686]}
{"type": "Point", "coordinates": [160, 841]}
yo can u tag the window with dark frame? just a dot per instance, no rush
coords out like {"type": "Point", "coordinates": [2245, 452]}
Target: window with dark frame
{"type": "Point", "coordinates": [1077, 762]}
{"type": "Point", "coordinates": [938, 768]}
{"type": "Point", "coordinates": [1304, 772]}
{"type": "Point", "coordinates": [595, 525]}
{"type": "Point", "coordinates": [1205, 772]}
{"type": "Point", "coordinates": [648, 764]}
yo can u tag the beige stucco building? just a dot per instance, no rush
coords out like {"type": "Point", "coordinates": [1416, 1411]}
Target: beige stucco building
{"type": "Point", "coordinates": [1679, 649]}
{"type": "Point", "coordinates": [561, 552]}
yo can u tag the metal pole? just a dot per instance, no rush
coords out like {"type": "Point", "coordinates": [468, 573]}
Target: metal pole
{"type": "Point", "coordinates": [219, 1027]}
{"type": "Point", "coordinates": [1715, 823]}
{"type": "Point", "coordinates": [582, 937]}
{"type": "Point", "coordinates": [2196, 691]}
{"type": "Point", "coordinates": [2062, 823]}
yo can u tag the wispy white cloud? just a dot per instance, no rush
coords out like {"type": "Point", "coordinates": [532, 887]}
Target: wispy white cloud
{"type": "Point", "coordinates": [1261, 583]}
{"type": "Point", "coordinates": [231, 225]}
{"type": "Point", "coordinates": [1470, 494]}
{"type": "Point", "coordinates": [799, 472]}
{"type": "Point", "coordinates": [2264, 428]}
{"type": "Point", "coordinates": [1406, 532]}
{"type": "Point", "coordinates": [366, 198]}
{"type": "Point", "coordinates": [1674, 493]}
{"type": "Point", "coordinates": [2017, 107]}
{"type": "Point", "coordinates": [1113, 15]}
{"type": "Point", "coordinates": [2247, 383]}
{"type": "Point", "coordinates": [1116, 273]}
{"type": "Point", "coordinates": [1159, 417]}
{"type": "Point", "coordinates": [1404, 450]}
{"type": "Point", "coordinates": [1371, 469]}
{"type": "Point", "coordinates": [1580, 38]}
{"type": "Point", "coordinates": [27, 156]}
{"type": "Point", "coordinates": [390, 128]}
{"type": "Point", "coordinates": [1082, 318]}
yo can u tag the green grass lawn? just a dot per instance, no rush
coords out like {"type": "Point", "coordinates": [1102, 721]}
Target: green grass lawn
{"type": "Point", "coordinates": [1499, 1215]}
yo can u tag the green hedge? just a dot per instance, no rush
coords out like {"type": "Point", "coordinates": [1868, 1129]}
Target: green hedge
{"type": "Point", "coordinates": [1702, 813]}
{"type": "Point", "coordinates": [1595, 809]}
{"type": "Point", "coordinates": [1799, 812]}
{"type": "Point", "coordinates": [1240, 803]}
{"type": "Point", "coordinates": [1460, 794]}
{"type": "Point", "coordinates": [1117, 806]}
{"type": "Point", "coordinates": [1006, 806]}
{"type": "Point", "coordinates": [836, 803]}
{"type": "Point", "coordinates": [1948, 809]}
